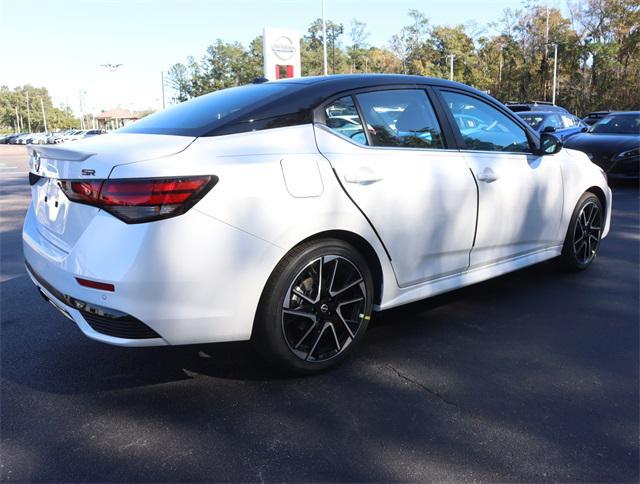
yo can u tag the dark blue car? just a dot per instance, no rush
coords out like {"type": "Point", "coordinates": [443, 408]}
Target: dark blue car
{"type": "Point", "coordinates": [562, 125]}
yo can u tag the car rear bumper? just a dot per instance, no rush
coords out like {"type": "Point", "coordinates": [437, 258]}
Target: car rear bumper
{"type": "Point", "coordinates": [120, 331]}
{"type": "Point", "coordinates": [190, 279]}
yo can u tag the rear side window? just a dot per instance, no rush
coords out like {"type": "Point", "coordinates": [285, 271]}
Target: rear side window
{"type": "Point", "coordinates": [401, 118]}
{"type": "Point", "coordinates": [494, 131]}
{"type": "Point", "coordinates": [342, 117]}
{"type": "Point", "coordinates": [200, 115]}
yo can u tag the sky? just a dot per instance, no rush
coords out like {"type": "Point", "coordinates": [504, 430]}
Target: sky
{"type": "Point", "coordinates": [61, 44]}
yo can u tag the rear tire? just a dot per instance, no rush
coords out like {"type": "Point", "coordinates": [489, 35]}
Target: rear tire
{"type": "Point", "coordinates": [315, 307]}
{"type": "Point", "coordinates": [583, 236]}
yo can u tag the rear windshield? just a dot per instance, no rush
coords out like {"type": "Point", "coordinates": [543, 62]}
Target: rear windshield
{"type": "Point", "coordinates": [200, 115]}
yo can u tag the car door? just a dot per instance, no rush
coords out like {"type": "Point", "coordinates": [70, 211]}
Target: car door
{"type": "Point", "coordinates": [418, 195]}
{"type": "Point", "coordinates": [520, 193]}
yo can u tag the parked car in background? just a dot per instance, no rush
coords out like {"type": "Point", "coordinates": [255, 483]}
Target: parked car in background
{"type": "Point", "coordinates": [13, 139]}
{"type": "Point", "coordinates": [595, 116]}
{"type": "Point", "coordinates": [272, 221]}
{"type": "Point", "coordinates": [537, 106]}
{"type": "Point", "coordinates": [63, 136]}
{"type": "Point", "coordinates": [24, 139]}
{"type": "Point", "coordinates": [72, 135]}
{"type": "Point", "coordinates": [39, 138]}
{"type": "Point", "coordinates": [561, 124]}
{"type": "Point", "coordinates": [613, 143]}
{"type": "Point", "coordinates": [94, 132]}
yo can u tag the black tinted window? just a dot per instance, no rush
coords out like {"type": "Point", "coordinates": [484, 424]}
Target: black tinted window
{"type": "Point", "coordinates": [618, 124]}
{"type": "Point", "coordinates": [492, 131]}
{"type": "Point", "coordinates": [401, 118]}
{"type": "Point", "coordinates": [208, 112]}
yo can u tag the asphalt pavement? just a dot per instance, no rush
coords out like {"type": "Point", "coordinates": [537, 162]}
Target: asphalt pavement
{"type": "Point", "coordinates": [533, 376]}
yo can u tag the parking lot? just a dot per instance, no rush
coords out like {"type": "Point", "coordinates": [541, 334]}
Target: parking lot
{"type": "Point", "coordinates": [531, 376]}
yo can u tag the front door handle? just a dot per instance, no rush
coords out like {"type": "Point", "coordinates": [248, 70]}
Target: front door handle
{"type": "Point", "coordinates": [487, 176]}
{"type": "Point", "coordinates": [362, 176]}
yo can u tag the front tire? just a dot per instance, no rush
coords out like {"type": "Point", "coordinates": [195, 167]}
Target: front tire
{"type": "Point", "coordinates": [315, 307]}
{"type": "Point", "coordinates": [585, 231]}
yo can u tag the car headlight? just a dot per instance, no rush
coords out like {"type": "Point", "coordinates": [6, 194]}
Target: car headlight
{"type": "Point", "coordinates": [627, 154]}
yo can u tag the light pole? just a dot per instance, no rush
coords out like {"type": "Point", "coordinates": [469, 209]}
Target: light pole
{"type": "Point", "coordinates": [17, 120]}
{"type": "Point", "coordinates": [555, 73]}
{"type": "Point", "coordinates": [44, 117]}
{"type": "Point", "coordinates": [500, 69]}
{"type": "Point", "coordinates": [162, 80]}
{"type": "Point", "coordinates": [28, 113]}
{"type": "Point", "coordinates": [81, 96]}
{"type": "Point", "coordinates": [451, 57]}
{"type": "Point", "coordinates": [324, 35]}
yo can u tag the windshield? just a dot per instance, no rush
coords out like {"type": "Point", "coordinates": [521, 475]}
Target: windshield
{"type": "Point", "coordinates": [202, 114]}
{"type": "Point", "coordinates": [533, 120]}
{"type": "Point", "coordinates": [618, 124]}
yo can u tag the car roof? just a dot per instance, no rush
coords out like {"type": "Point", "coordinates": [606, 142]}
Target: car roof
{"type": "Point", "coordinates": [335, 84]}
{"type": "Point", "coordinates": [366, 80]}
{"type": "Point", "coordinates": [535, 106]}
{"type": "Point", "coordinates": [631, 113]}
{"type": "Point", "coordinates": [539, 113]}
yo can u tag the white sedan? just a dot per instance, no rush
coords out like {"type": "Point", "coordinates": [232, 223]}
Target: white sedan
{"type": "Point", "coordinates": [289, 212]}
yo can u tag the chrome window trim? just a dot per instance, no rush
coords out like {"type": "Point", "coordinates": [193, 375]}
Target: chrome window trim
{"type": "Point", "coordinates": [387, 148]}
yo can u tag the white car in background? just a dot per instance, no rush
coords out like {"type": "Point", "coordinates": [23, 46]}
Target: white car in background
{"type": "Point", "coordinates": [260, 212]}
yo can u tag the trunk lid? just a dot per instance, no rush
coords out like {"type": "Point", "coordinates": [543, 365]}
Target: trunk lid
{"type": "Point", "coordinates": [61, 221]}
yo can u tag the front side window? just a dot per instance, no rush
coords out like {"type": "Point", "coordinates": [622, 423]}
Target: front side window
{"type": "Point", "coordinates": [494, 131]}
{"type": "Point", "coordinates": [401, 118]}
{"type": "Point", "coordinates": [342, 117]}
{"type": "Point", "coordinates": [555, 121]}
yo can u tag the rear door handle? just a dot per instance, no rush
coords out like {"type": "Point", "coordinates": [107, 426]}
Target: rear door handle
{"type": "Point", "coordinates": [362, 176]}
{"type": "Point", "coordinates": [487, 176]}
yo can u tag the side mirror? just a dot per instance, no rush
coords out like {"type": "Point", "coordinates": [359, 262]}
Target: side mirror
{"type": "Point", "coordinates": [584, 129]}
{"type": "Point", "coordinates": [549, 129]}
{"type": "Point", "coordinates": [549, 144]}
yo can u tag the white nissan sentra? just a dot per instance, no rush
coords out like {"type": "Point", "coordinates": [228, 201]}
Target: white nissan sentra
{"type": "Point", "coordinates": [288, 212]}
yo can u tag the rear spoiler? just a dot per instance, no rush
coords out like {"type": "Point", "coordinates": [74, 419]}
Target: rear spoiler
{"type": "Point", "coordinates": [59, 153]}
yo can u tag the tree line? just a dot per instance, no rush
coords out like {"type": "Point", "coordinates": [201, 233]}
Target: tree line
{"type": "Point", "coordinates": [598, 50]}
{"type": "Point", "coordinates": [21, 111]}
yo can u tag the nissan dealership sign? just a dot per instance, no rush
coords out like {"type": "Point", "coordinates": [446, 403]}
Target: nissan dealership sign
{"type": "Point", "coordinates": [281, 50]}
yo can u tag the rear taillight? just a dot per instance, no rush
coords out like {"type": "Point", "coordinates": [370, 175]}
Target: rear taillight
{"type": "Point", "coordinates": [141, 199]}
